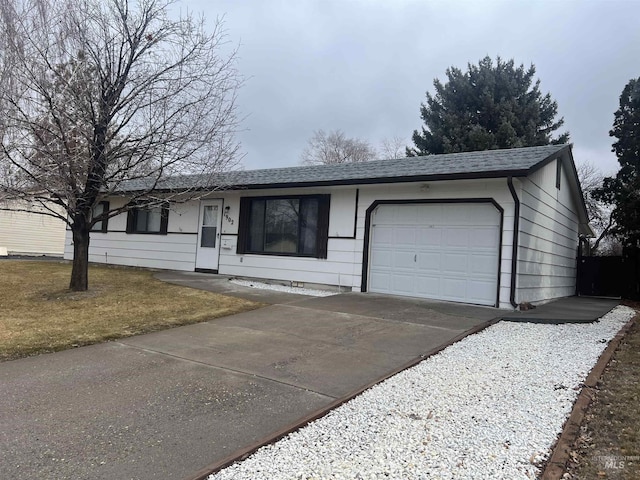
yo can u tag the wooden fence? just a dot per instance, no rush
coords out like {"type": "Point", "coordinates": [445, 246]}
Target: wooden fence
{"type": "Point", "coordinates": [610, 276]}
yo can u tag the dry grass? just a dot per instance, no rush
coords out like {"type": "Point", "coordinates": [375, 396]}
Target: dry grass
{"type": "Point", "coordinates": [39, 314]}
{"type": "Point", "coordinates": [609, 443]}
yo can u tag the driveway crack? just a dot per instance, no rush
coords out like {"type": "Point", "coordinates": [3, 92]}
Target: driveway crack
{"type": "Point", "coordinates": [218, 367]}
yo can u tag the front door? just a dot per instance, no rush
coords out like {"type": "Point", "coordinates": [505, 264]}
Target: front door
{"type": "Point", "coordinates": [209, 235]}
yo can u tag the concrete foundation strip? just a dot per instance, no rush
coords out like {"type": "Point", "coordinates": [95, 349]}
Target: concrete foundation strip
{"type": "Point", "coordinates": [245, 452]}
{"type": "Point", "coordinates": [557, 463]}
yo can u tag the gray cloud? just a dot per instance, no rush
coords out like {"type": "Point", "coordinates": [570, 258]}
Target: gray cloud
{"type": "Point", "coordinates": [364, 66]}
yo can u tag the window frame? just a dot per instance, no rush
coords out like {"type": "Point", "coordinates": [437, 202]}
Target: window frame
{"type": "Point", "coordinates": [322, 226]}
{"type": "Point", "coordinates": [104, 224]}
{"type": "Point", "coordinates": [558, 173]}
{"type": "Point", "coordinates": [132, 220]}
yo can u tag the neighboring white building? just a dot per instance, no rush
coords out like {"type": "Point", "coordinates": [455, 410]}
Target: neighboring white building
{"type": "Point", "coordinates": [440, 227]}
{"type": "Point", "coordinates": [31, 233]}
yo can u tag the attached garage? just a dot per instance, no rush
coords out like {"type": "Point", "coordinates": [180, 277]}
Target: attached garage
{"type": "Point", "coordinates": [439, 250]}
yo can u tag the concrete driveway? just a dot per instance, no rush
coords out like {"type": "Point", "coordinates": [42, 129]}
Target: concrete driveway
{"type": "Point", "coordinates": [164, 405]}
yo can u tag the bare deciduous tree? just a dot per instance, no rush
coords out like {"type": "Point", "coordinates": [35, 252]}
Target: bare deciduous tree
{"type": "Point", "coordinates": [334, 147]}
{"type": "Point", "coordinates": [392, 148]}
{"type": "Point", "coordinates": [600, 218]}
{"type": "Point", "coordinates": [98, 94]}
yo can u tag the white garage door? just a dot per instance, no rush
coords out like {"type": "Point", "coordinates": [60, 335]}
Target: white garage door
{"type": "Point", "coordinates": [440, 251]}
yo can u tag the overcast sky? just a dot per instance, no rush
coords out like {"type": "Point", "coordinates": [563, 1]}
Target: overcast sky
{"type": "Point", "coordinates": [364, 66]}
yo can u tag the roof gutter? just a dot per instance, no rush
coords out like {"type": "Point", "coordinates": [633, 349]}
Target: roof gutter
{"type": "Point", "coordinates": [343, 182]}
{"type": "Point", "coordinates": [514, 252]}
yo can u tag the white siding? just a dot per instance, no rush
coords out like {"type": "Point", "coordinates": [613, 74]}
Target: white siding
{"type": "Point", "coordinates": [345, 252]}
{"type": "Point", "coordinates": [342, 213]}
{"type": "Point", "coordinates": [548, 237]}
{"type": "Point", "coordinates": [342, 252]}
{"type": "Point", "coordinates": [336, 269]}
{"type": "Point", "coordinates": [345, 255]}
{"type": "Point", "coordinates": [31, 233]}
{"type": "Point", "coordinates": [171, 251]}
{"type": "Point", "coordinates": [174, 251]}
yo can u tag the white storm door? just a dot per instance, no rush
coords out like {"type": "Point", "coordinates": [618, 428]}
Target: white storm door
{"type": "Point", "coordinates": [208, 250]}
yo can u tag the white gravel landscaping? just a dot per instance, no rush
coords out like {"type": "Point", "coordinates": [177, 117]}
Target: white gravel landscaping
{"type": "Point", "coordinates": [489, 406]}
{"type": "Point", "coordinates": [282, 288]}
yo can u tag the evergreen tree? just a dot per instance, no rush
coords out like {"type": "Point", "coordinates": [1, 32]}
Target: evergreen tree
{"type": "Point", "coordinates": [487, 107]}
{"type": "Point", "coordinates": [623, 190]}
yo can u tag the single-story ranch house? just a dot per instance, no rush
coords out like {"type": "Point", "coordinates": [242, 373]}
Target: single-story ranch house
{"type": "Point", "coordinates": [495, 228]}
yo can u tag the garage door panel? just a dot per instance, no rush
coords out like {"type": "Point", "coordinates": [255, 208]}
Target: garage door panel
{"type": "Point", "coordinates": [429, 262]}
{"type": "Point", "coordinates": [429, 237]}
{"type": "Point", "coordinates": [406, 214]}
{"type": "Point", "coordinates": [457, 237]}
{"type": "Point", "coordinates": [454, 288]}
{"type": "Point", "coordinates": [380, 281]}
{"type": "Point", "coordinates": [382, 257]}
{"type": "Point", "coordinates": [404, 259]}
{"type": "Point", "coordinates": [428, 286]}
{"type": "Point", "coordinates": [483, 264]}
{"type": "Point", "coordinates": [434, 215]}
{"type": "Point", "coordinates": [402, 284]}
{"type": "Point", "coordinates": [404, 236]}
{"type": "Point", "coordinates": [487, 237]}
{"type": "Point", "coordinates": [454, 215]}
{"type": "Point", "coordinates": [455, 263]}
{"type": "Point", "coordinates": [480, 215]}
{"type": "Point", "coordinates": [439, 251]}
{"type": "Point", "coordinates": [480, 290]}
{"type": "Point", "coordinates": [387, 216]}
{"type": "Point", "coordinates": [382, 235]}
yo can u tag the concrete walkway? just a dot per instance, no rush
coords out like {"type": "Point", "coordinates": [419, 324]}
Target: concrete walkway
{"type": "Point", "coordinates": [164, 405]}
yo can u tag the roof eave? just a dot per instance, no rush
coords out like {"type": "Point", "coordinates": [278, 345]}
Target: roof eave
{"type": "Point", "coordinates": [381, 180]}
{"type": "Point", "coordinates": [549, 159]}
{"type": "Point", "coordinates": [566, 153]}
{"type": "Point", "coordinates": [355, 181]}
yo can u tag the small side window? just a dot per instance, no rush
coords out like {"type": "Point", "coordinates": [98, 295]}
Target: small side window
{"type": "Point", "coordinates": [558, 173]}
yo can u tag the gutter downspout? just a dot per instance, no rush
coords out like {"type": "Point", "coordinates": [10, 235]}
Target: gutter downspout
{"type": "Point", "coordinates": [514, 252]}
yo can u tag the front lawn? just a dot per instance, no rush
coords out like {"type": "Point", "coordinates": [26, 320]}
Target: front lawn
{"type": "Point", "coordinates": [39, 314]}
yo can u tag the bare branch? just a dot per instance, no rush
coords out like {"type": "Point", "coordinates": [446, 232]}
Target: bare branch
{"type": "Point", "coordinates": [104, 92]}
{"type": "Point", "coordinates": [600, 214]}
{"type": "Point", "coordinates": [335, 147]}
{"type": "Point", "coordinates": [392, 148]}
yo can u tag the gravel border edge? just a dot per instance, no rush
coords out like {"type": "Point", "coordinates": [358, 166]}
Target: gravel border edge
{"type": "Point", "coordinates": [556, 466]}
{"type": "Point", "coordinates": [245, 452]}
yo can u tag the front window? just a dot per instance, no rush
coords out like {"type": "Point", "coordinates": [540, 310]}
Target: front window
{"type": "Point", "coordinates": [286, 225]}
{"type": "Point", "coordinates": [148, 220]}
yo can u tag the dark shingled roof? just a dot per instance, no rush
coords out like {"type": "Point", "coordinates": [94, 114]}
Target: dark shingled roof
{"type": "Point", "coordinates": [485, 164]}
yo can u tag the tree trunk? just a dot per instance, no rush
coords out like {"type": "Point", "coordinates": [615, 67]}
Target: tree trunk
{"type": "Point", "coordinates": [595, 246]}
{"type": "Point", "coordinates": [80, 270]}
